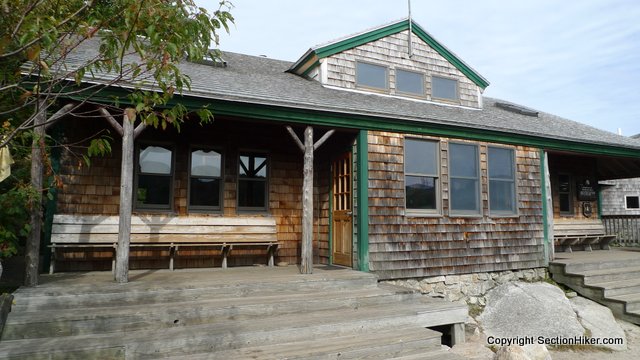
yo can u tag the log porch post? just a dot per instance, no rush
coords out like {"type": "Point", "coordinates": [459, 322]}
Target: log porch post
{"type": "Point", "coordinates": [547, 208]}
{"type": "Point", "coordinates": [307, 148]}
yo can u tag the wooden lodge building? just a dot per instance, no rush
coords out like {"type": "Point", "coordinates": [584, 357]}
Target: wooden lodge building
{"type": "Point", "coordinates": [418, 175]}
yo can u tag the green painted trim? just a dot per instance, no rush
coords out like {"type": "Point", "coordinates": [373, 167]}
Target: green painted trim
{"type": "Point", "coordinates": [345, 120]}
{"type": "Point", "coordinates": [391, 29]}
{"type": "Point", "coordinates": [545, 210]}
{"type": "Point", "coordinates": [363, 200]}
{"type": "Point", "coordinates": [599, 203]}
{"type": "Point", "coordinates": [330, 214]}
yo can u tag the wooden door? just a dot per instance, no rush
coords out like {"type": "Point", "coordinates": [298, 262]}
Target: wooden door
{"type": "Point", "coordinates": [342, 212]}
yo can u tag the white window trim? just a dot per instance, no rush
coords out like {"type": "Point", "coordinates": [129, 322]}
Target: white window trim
{"type": "Point", "coordinates": [625, 202]}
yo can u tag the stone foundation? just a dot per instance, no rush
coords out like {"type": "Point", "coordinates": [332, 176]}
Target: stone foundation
{"type": "Point", "coordinates": [469, 288]}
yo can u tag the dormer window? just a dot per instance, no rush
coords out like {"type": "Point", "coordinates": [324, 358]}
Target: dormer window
{"type": "Point", "coordinates": [444, 88]}
{"type": "Point", "coordinates": [409, 82]}
{"type": "Point", "coordinates": [371, 76]}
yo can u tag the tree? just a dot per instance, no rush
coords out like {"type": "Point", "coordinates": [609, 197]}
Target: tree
{"type": "Point", "coordinates": [135, 42]}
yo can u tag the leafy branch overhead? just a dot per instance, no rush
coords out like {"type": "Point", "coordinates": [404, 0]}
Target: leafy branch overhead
{"type": "Point", "coordinates": [135, 44]}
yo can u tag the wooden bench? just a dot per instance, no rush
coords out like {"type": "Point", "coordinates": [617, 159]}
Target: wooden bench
{"type": "Point", "coordinates": [170, 232]}
{"type": "Point", "coordinates": [585, 234]}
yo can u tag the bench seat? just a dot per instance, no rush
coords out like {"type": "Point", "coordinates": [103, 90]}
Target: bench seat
{"type": "Point", "coordinates": [171, 232]}
{"type": "Point", "coordinates": [586, 234]}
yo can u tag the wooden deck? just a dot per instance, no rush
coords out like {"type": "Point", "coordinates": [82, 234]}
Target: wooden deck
{"type": "Point", "coordinates": [243, 312]}
{"type": "Point", "coordinates": [611, 278]}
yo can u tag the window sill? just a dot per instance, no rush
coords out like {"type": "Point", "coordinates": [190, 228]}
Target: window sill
{"type": "Point", "coordinates": [466, 216]}
{"type": "Point", "coordinates": [417, 214]}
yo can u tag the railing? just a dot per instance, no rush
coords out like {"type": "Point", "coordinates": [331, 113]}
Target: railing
{"type": "Point", "coordinates": [626, 227]}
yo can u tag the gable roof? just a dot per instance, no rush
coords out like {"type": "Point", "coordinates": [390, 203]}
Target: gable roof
{"type": "Point", "coordinates": [311, 58]}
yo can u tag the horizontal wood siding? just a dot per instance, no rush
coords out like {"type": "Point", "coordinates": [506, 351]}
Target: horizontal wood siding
{"type": "Point", "coordinates": [393, 51]}
{"type": "Point", "coordinates": [410, 246]}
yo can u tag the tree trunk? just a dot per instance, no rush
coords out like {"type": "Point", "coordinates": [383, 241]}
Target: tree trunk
{"type": "Point", "coordinates": [32, 254]}
{"type": "Point", "coordinates": [126, 206]}
{"type": "Point", "coordinates": [307, 204]}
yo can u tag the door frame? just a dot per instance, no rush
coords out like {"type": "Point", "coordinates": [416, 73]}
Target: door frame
{"type": "Point", "coordinates": [350, 153]}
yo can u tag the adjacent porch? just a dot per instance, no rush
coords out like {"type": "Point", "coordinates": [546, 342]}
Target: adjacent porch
{"type": "Point", "coordinates": [238, 313]}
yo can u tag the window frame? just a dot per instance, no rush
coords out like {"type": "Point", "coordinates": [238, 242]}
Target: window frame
{"type": "Point", "coordinates": [154, 208]}
{"type": "Point", "coordinates": [408, 93]}
{"type": "Point", "coordinates": [457, 83]}
{"type": "Point", "coordinates": [465, 213]}
{"type": "Point", "coordinates": [514, 158]}
{"type": "Point", "coordinates": [253, 209]}
{"type": "Point", "coordinates": [626, 202]}
{"type": "Point", "coordinates": [204, 208]}
{"type": "Point", "coordinates": [438, 188]}
{"type": "Point", "coordinates": [367, 87]}
{"type": "Point", "coordinates": [571, 193]}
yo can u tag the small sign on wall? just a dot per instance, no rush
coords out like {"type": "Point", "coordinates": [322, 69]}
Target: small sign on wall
{"type": "Point", "coordinates": [586, 191]}
{"type": "Point", "coordinates": [587, 210]}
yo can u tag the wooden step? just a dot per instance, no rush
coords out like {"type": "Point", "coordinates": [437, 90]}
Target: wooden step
{"type": "Point", "coordinates": [602, 275]}
{"type": "Point", "coordinates": [618, 287]}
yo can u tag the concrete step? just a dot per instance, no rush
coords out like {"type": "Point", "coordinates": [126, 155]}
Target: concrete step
{"type": "Point", "coordinates": [588, 265]}
{"type": "Point", "coordinates": [603, 275]}
{"type": "Point", "coordinates": [618, 287]}
{"type": "Point", "coordinates": [71, 322]}
{"type": "Point", "coordinates": [382, 344]}
{"type": "Point", "coordinates": [233, 333]}
{"type": "Point", "coordinates": [75, 298]}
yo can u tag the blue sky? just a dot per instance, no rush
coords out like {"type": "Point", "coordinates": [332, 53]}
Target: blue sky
{"type": "Point", "coordinates": [575, 59]}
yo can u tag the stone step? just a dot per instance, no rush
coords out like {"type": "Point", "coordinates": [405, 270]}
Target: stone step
{"type": "Point", "coordinates": [382, 344]}
{"type": "Point", "coordinates": [71, 322]}
{"type": "Point", "coordinates": [618, 287]}
{"type": "Point", "coordinates": [231, 334]}
{"type": "Point", "coordinates": [130, 295]}
{"type": "Point", "coordinates": [588, 265]}
{"type": "Point", "coordinates": [603, 275]}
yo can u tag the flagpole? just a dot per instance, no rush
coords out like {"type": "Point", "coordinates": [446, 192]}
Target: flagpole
{"type": "Point", "coordinates": [410, 29]}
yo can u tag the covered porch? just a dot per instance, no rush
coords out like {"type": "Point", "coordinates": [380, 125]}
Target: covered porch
{"type": "Point", "coordinates": [240, 169]}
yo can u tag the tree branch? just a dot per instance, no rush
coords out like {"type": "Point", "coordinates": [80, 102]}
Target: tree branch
{"type": "Point", "coordinates": [323, 139]}
{"type": "Point", "coordinates": [296, 138]}
{"type": "Point", "coordinates": [107, 116]}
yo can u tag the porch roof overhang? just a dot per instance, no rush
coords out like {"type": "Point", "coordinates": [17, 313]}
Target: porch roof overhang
{"type": "Point", "coordinates": [300, 114]}
{"type": "Point", "coordinates": [609, 167]}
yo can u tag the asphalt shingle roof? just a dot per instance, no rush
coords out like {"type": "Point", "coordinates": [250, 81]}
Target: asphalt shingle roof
{"type": "Point", "coordinates": [260, 80]}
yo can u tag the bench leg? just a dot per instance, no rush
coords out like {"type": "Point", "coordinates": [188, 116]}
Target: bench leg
{"type": "Point", "coordinates": [52, 264]}
{"type": "Point", "coordinates": [172, 252]}
{"type": "Point", "coordinates": [271, 251]}
{"type": "Point", "coordinates": [225, 252]}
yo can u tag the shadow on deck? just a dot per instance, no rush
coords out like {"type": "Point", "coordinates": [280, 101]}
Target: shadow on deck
{"type": "Point", "coordinates": [244, 312]}
{"type": "Point", "coordinates": [611, 278]}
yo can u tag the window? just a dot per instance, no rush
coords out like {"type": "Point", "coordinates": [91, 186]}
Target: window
{"type": "Point", "coordinates": [633, 202]}
{"type": "Point", "coordinates": [464, 197]}
{"type": "Point", "coordinates": [565, 194]}
{"type": "Point", "coordinates": [252, 182]}
{"type": "Point", "coordinates": [154, 180]}
{"type": "Point", "coordinates": [502, 182]}
{"type": "Point", "coordinates": [373, 76]}
{"type": "Point", "coordinates": [443, 88]}
{"type": "Point", "coordinates": [205, 179]}
{"type": "Point", "coordinates": [421, 175]}
{"type": "Point", "coordinates": [409, 82]}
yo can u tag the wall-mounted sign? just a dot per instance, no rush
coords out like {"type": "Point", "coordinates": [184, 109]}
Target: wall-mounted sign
{"type": "Point", "coordinates": [586, 191]}
{"type": "Point", "coordinates": [587, 210]}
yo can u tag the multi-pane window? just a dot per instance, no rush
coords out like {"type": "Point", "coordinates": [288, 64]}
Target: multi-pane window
{"type": "Point", "coordinates": [633, 202]}
{"type": "Point", "coordinates": [370, 75]}
{"type": "Point", "coordinates": [205, 179]}
{"type": "Point", "coordinates": [443, 88]}
{"type": "Point", "coordinates": [252, 181]}
{"type": "Point", "coordinates": [565, 194]}
{"type": "Point", "coordinates": [421, 175]}
{"type": "Point", "coordinates": [409, 82]}
{"type": "Point", "coordinates": [464, 197]}
{"type": "Point", "coordinates": [502, 183]}
{"type": "Point", "coordinates": [154, 180]}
